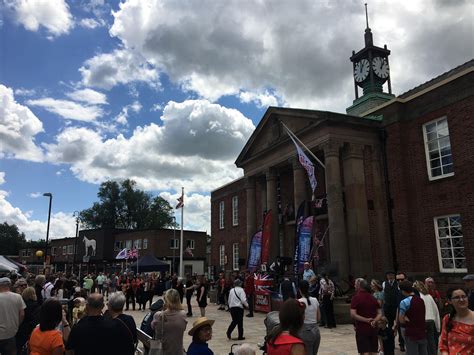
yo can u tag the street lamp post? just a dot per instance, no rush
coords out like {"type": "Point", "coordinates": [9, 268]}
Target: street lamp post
{"type": "Point", "coordinates": [76, 214]}
{"type": "Point", "coordinates": [50, 195]}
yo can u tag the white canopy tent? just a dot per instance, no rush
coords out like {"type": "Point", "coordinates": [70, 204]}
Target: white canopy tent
{"type": "Point", "coordinates": [7, 266]}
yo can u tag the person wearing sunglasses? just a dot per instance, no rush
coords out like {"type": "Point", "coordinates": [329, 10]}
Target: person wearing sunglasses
{"type": "Point", "coordinates": [397, 327]}
{"type": "Point", "coordinates": [457, 334]}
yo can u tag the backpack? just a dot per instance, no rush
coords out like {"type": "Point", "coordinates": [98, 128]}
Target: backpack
{"type": "Point", "coordinates": [146, 323]}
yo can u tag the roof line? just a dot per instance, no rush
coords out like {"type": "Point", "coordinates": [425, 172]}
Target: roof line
{"type": "Point", "coordinates": [419, 93]}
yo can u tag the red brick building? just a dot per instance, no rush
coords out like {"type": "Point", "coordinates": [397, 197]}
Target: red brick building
{"type": "Point", "coordinates": [396, 178]}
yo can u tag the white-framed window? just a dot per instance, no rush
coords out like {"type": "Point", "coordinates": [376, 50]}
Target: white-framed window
{"type": "Point", "coordinates": [450, 243]}
{"type": "Point", "coordinates": [235, 256]}
{"type": "Point", "coordinates": [174, 243]}
{"type": "Point", "coordinates": [235, 210]}
{"type": "Point", "coordinates": [70, 249]}
{"type": "Point", "coordinates": [53, 251]}
{"type": "Point", "coordinates": [128, 244]}
{"type": "Point", "coordinates": [145, 243]}
{"type": "Point", "coordinates": [190, 243]}
{"type": "Point", "coordinates": [221, 215]}
{"type": "Point", "coordinates": [222, 255]}
{"type": "Point", "coordinates": [439, 158]}
{"type": "Point", "coordinates": [64, 250]}
{"type": "Point", "coordinates": [137, 244]}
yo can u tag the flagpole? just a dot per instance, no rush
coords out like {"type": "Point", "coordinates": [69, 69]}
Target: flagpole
{"type": "Point", "coordinates": [292, 135]}
{"type": "Point", "coordinates": [181, 238]}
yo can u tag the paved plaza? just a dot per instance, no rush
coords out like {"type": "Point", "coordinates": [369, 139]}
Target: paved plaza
{"type": "Point", "coordinates": [338, 341]}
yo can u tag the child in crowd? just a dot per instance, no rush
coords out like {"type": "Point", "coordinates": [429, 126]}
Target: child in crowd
{"type": "Point", "coordinates": [79, 309]}
{"type": "Point", "coordinates": [386, 337]}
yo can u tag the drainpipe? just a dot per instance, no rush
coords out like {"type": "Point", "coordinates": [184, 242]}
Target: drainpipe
{"type": "Point", "coordinates": [388, 197]}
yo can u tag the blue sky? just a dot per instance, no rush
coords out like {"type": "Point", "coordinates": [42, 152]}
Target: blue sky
{"type": "Point", "coordinates": [168, 92]}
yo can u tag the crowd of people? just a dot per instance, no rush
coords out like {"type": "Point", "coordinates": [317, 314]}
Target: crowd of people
{"type": "Point", "coordinates": [58, 313]}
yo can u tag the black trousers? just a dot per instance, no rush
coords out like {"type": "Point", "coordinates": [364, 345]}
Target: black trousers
{"type": "Point", "coordinates": [250, 301]}
{"type": "Point", "coordinates": [130, 296]}
{"type": "Point", "coordinates": [188, 302]}
{"type": "Point", "coordinates": [390, 312]}
{"type": "Point", "coordinates": [328, 307]}
{"type": "Point", "coordinates": [237, 315]}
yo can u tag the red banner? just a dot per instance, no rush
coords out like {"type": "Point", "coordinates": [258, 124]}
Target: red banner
{"type": "Point", "coordinates": [266, 237]}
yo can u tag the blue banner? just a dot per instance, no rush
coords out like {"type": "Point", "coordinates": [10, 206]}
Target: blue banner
{"type": "Point", "coordinates": [255, 252]}
{"type": "Point", "coordinates": [299, 221]}
{"type": "Point", "coordinates": [305, 241]}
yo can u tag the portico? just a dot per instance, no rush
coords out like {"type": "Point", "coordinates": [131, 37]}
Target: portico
{"type": "Point", "coordinates": [276, 180]}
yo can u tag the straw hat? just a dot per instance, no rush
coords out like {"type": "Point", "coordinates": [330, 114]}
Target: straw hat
{"type": "Point", "coordinates": [200, 322]}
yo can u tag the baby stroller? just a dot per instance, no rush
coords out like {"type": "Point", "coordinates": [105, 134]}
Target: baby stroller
{"type": "Point", "coordinates": [271, 321]}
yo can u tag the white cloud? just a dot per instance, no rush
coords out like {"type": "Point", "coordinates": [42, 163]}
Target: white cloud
{"type": "Point", "coordinates": [297, 50]}
{"type": "Point", "coordinates": [262, 100]}
{"type": "Point", "coordinates": [2, 177]}
{"type": "Point", "coordinates": [122, 117]}
{"type": "Point", "coordinates": [119, 67]}
{"type": "Point", "coordinates": [61, 225]}
{"type": "Point", "coordinates": [90, 23]}
{"type": "Point", "coordinates": [53, 15]}
{"type": "Point", "coordinates": [156, 107]}
{"type": "Point", "coordinates": [18, 128]}
{"type": "Point", "coordinates": [68, 109]}
{"type": "Point", "coordinates": [35, 194]}
{"type": "Point", "coordinates": [195, 147]}
{"type": "Point", "coordinates": [24, 92]}
{"type": "Point", "coordinates": [89, 96]}
{"type": "Point", "coordinates": [196, 210]}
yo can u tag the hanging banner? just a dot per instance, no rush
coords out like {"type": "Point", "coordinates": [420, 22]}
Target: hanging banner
{"type": "Point", "coordinates": [299, 221]}
{"type": "Point", "coordinates": [255, 252]}
{"type": "Point", "coordinates": [305, 241]}
{"type": "Point", "coordinates": [266, 237]}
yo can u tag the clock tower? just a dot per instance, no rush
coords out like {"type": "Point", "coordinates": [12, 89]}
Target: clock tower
{"type": "Point", "coordinates": [371, 71]}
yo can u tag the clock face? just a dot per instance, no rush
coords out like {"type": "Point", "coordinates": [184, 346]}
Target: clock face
{"type": "Point", "coordinates": [380, 67]}
{"type": "Point", "coordinates": [361, 70]}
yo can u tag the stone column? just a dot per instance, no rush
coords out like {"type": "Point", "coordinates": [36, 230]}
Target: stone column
{"type": "Point", "coordinates": [338, 248]}
{"type": "Point", "coordinates": [380, 207]}
{"type": "Point", "coordinates": [299, 184]}
{"type": "Point", "coordinates": [358, 233]}
{"type": "Point", "coordinates": [251, 209]}
{"type": "Point", "coordinates": [272, 205]}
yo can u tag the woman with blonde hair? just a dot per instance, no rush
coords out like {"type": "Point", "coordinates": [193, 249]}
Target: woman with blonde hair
{"type": "Point", "coordinates": [432, 319]}
{"type": "Point", "coordinates": [377, 291]}
{"type": "Point", "coordinates": [170, 324]}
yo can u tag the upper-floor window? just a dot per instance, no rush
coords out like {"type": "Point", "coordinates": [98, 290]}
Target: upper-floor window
{"type": "Point", "coordinates": [70, 249]}
{"type": "Point", "coordinates": [137, 244]}
{"type": "Point", "coordinates": [439, 158]}
{"type": "Point", "coordinates": [174, 243]}
{"type": "Point", "coordinates": [64, 250]}
{"type": "Point", "coordinates": [221, 215]}
{"type": "Point", "coordinates": [235, 256]}
{"type": "Point", "coordinates": [118, 245]}
{"type": "Point", "coordinates": [145, 243]}
{"type": "Point", "coordinates": [128, 244]}
{"type": "Point", "coordinates": [221, 255]}
{"type": "Point", "coordinates": [449, 240]}
{"type": "Point", "coordinates": [53, 251]}
{"type": "Point", "coordinates": [190, 243]}
{"type": "Point", "coordinates": [235, 211]}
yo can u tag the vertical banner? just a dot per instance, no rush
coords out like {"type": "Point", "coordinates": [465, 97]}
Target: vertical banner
{"type": "Point", "coordinates": [255, 252]}
{"type": "Point", "coordinates": [305, 241]}
{"type": "Point", "coordinates": [299, 220]}
{"type": "Point", "coordinates": [266, 237]}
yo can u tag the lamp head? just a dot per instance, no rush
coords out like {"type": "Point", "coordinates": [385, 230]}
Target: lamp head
{"type": "Point", "coordinates": [49, 194]}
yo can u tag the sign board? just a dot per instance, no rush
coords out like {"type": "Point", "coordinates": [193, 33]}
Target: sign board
{"type": "Point", "coordinates": [262, 301]}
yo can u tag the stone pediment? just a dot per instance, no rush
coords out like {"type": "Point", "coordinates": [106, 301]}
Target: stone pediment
{"type": "Point", "coordinates": [269, 132]}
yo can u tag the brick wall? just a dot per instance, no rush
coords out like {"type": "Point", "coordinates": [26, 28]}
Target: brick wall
{"type": "Point", "coordinates": [416, 199]}
{"type": "Point", "coordinates": [229, 234]}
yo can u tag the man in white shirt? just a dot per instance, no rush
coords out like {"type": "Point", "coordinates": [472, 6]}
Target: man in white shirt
{"type": "Point", "coordinates": [237, 301]}
{"type": "Point", "coordinates": [100, 282]}
{"type": "Point", "coordinates": [12, 312]}
{"type": "Point", "coordinates": [47, 288]}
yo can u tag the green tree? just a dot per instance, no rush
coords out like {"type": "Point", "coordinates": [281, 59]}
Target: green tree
{"type": "Point", "coordinates": [123, 205]}
{"type": "Point", "coordinates": [11, 240]}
